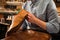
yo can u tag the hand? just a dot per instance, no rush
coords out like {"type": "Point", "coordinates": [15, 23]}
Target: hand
{"type": "Point", "coordinates": [31, 18]}
{"type": "Point", "coordinates": [35, 20]}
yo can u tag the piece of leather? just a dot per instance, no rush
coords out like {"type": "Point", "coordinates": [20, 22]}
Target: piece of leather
{"type": "Point", "coordinates": [17, 22]}
{"type": "Point", "coordinates": [28, 35]}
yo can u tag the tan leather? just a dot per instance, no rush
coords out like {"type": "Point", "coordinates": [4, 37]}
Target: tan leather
{"type": "Point", "coordinates": [17, 21]}
{"type": "Point", "coordinates": [28, 35]}
{"type": "Point", "coordinates": [19, 18]}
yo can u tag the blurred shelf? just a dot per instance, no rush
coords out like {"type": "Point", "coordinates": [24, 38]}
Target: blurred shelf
{"type": "Point", "coordinates": [8, 19]}
{"type": "Point", "coordinates": [4, 23]}
{"type": "Point", "coordinates": [58, 14]}
{"type": "Point", "coordinates": [8, 12]}
{"type": "Point", "coordinates": [13, 3]}
{"type": "Point", "coordinates": [58, 9]}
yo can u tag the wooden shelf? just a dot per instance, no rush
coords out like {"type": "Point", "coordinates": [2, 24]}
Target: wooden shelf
{"type": "Point", "coordinates": [8, 19]}
{"type": "Point", "coordinates": [13, 3]}
{"type": "Point", "coordinates": [58, 9]}
{"type": "Point", "coordinates": [4, 23]}
{"type": "Point", "coordinates": [8, 12]}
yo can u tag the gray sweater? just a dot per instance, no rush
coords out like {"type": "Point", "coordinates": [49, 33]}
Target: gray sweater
{"type": "Point", "coordinates": [40, 8]}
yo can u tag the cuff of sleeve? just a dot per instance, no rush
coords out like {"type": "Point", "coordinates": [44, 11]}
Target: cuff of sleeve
{"type": "Point", "coordinates": [51, 28]}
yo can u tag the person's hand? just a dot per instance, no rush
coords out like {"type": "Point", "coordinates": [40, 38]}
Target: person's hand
{"type": "Point", "coordinates": [31, 18]}
{"type": "Point", "coordinates": [35, 20]}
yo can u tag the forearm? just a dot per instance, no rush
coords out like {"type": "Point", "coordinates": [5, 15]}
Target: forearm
{"type": "Point", "coordinates": [40, 23]}
{"type": "Point", "coordinates": [35, 20]}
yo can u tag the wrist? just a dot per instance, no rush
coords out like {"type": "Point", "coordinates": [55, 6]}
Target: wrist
{"type": "Point", "coordinates": [36, 20]}
{"type": "Point", "coordinates": [40, 23]}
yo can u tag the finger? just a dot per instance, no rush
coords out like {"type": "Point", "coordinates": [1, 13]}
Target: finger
{"type": "Point", "coordinates": [29, 17]}
{"type": "Point", "coordinates": [29, 14]}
